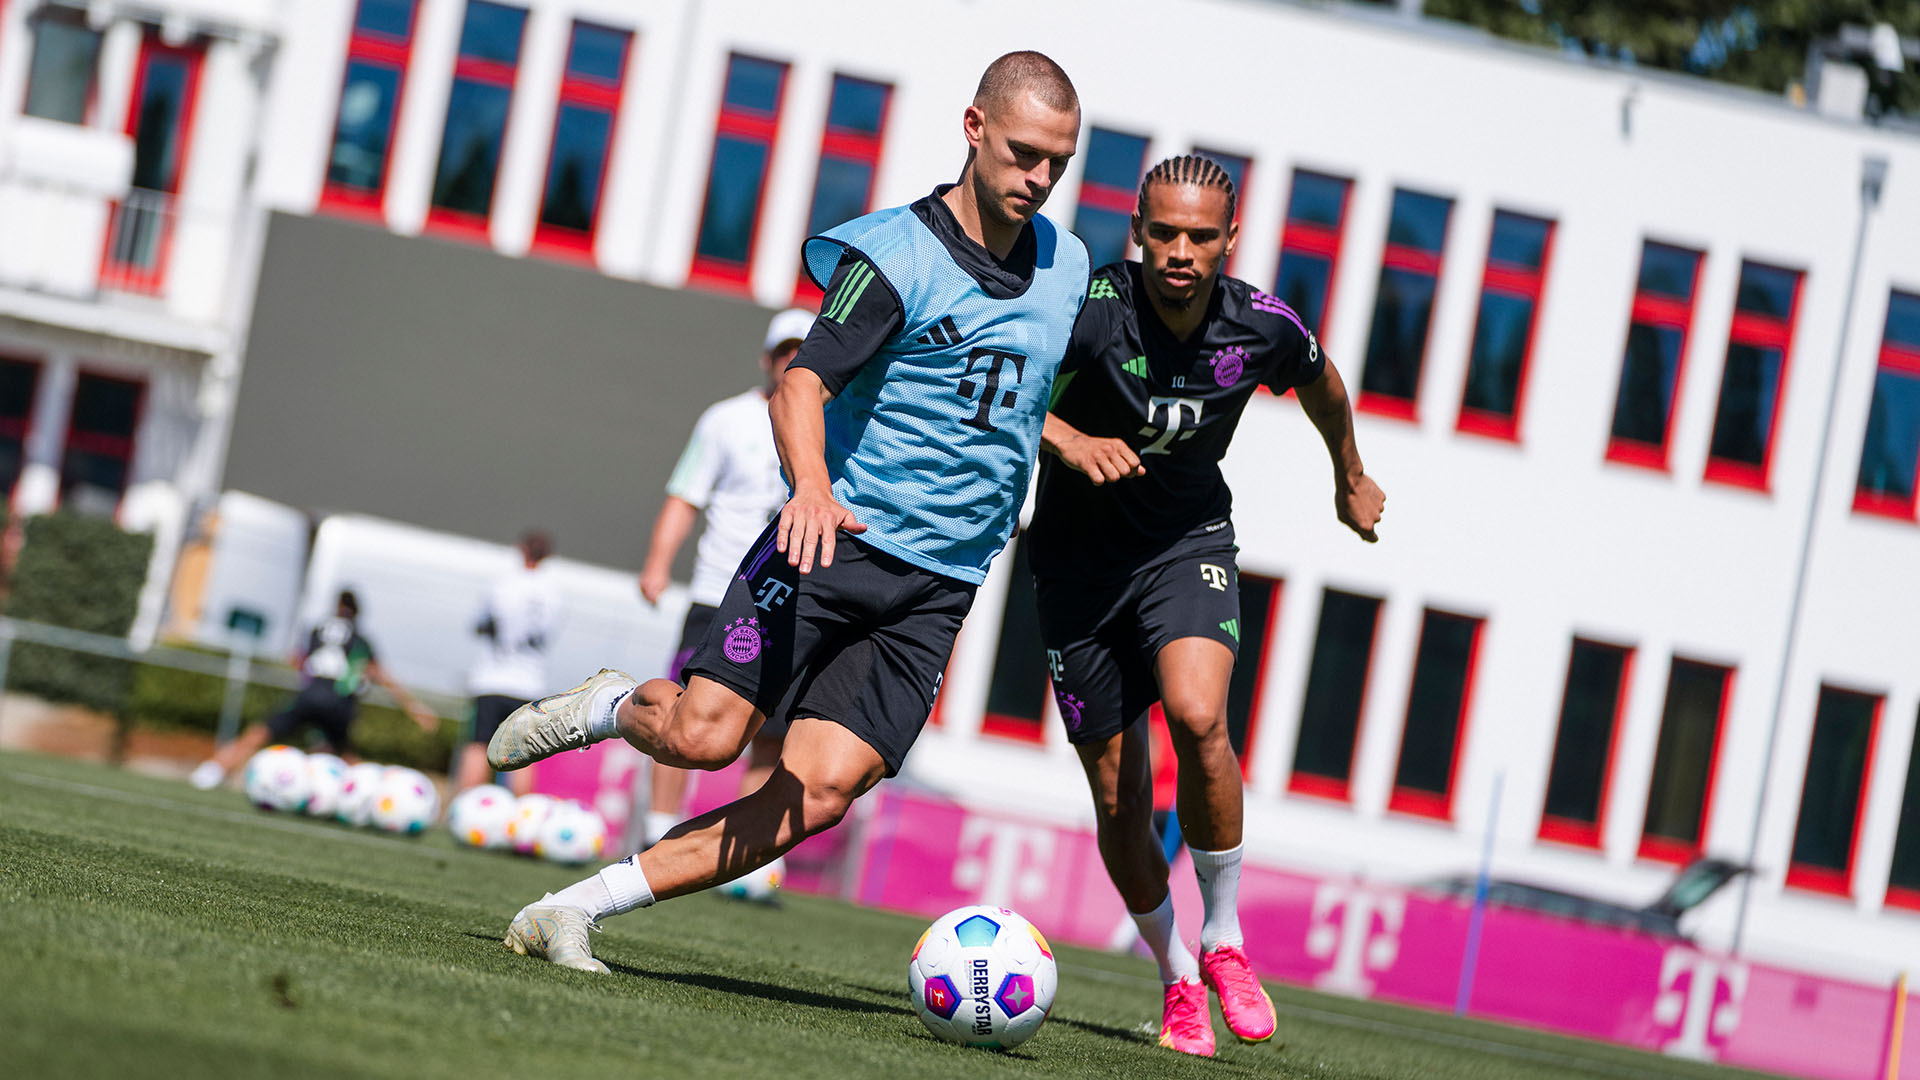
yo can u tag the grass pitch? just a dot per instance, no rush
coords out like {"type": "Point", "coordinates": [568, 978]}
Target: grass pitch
{"type": "Point", "coordinates": [156, 931]}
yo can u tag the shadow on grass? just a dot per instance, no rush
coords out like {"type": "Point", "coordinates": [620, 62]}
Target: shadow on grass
{"type": "Point", "coordinates": [727, 984]}
{"type": "Point", "coordinates": [1108, 1031]}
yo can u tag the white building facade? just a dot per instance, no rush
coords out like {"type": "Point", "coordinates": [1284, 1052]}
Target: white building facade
{"type": "Point", "coordinates": [1637, 360]}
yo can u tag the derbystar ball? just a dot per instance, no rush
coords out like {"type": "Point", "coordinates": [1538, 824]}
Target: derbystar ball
{"type": "Point", "coordinates": [479, 816]}
{"type": "Point", "coordinates": [982, 976]}
{"type": "Point", "coordinates": [277, 779]}
{"type": "Point", "coordinates": [406, 801]}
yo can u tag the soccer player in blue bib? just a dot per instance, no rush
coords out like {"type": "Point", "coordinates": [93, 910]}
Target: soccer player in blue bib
{"type": "Point", "coordinates": [1133, 559]}
{"type": "Point", "coordinates": [907, 428]}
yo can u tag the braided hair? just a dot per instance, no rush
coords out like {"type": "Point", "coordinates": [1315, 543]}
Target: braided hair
{"type": "Point", "coordinates": [1196, 169]}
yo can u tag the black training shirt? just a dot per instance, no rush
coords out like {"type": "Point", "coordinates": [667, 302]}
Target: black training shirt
{"type": "Point", "coordinates": [836, 350]}
{"type": "Point", "coordinates": [1175, 402]}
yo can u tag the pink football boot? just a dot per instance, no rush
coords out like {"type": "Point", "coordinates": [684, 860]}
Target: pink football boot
{"type": "Point", "coordinates": [1244, 1003]}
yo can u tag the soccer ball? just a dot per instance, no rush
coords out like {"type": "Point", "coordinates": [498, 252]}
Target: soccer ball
{"type": "Point", "coordinates": [277, 779]}
{"type": "Point", "coordinates": [571, 834]}
{"type": "Point", "coordinates": [982, 976]}
{"type": "Point", "coordinates": [406, 802]}
{"type": "Point", "coordinates": [479, 816]}
{"type": "Point", "coordinates": [362, 786]}
{"type": "Point", "coordinates": [523, 832]}
{"type": "Point", "coordinates": [761, 886]}
{"type": "Point", "coordinates": [326, 775]}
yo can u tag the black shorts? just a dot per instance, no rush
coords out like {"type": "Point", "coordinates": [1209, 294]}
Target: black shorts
{"type": "Point", "coordinates": [1102, 637]}
{"type": "Point", "coordinates": [321, 709]}
{"type": "Point", "coordinates": [489, 710]}
{"type": "Point", "coordinates": [693, 630]}
{"type": "Point", "coordinates": [863, 643]}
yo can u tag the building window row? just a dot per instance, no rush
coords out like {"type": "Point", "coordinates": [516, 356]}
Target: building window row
{"type": "Point", "coordinates": [102, 424]}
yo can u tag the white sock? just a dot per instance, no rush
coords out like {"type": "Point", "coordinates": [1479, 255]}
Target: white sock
{"type": "Point", "coordinates": [615, 890]}
{"type": "Point", "coordinates": [658, 822]}
{"type": "Point", "coordinates": [605, 710]}
{"type": "Point", "coordinates": [1219, 875]}
{"type": "Point", "coordinates": [1157, 930]}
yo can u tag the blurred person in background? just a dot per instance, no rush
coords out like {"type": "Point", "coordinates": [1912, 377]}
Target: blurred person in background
{"type": "Point", "coordinates": [729, 470]}
{"type": "Point", "coordinates": [1133, 556]}
{"type": "Point", "coordinates": [516, 628]}
{"type": "Point", "coordinates": [337, 664]}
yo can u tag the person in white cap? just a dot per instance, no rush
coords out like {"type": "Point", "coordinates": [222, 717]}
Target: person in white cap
{"type": "Point", "coordinates": [731, 471]}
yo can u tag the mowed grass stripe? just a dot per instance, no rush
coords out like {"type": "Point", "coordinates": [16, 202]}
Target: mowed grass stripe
{"type": "Point", "coordinates": [167, 932]}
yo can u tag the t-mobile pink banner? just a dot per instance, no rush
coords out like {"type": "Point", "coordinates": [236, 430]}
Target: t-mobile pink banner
{"type": "Point", "coordinates": [920, 854]}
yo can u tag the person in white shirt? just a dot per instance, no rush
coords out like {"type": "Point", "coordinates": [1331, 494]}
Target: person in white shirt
{"type": "Point", "coordinates": [516, 628]}
{"type": "Point", "coordinates": [730, 471]}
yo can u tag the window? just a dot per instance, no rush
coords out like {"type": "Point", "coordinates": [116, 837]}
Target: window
{"type": "Point", "coordinates": [1503, 330]}
{"type": "Point", "coordinates": [1310, 245]}
{"type": "Point", "coordinates": [1891, 455]}
{"type": "Point", "coordinates": [66, 52]}
{"type": "Point", "coordinates": [166, 83]}
{"type": "Point", "coordinates": [1903, 880]}
{"type": "Point", "coordinates": [1684, 761]}
{"type": "Point", "coordinates": [377, 55]}
{"type": "Point", "coordinates": [1409, 275]}
{"type": "Point", "coordinates": [99, 453]}
{"type": "Point", "coordinates": [1582, 769]}
{"type": "Point", "coordinates": [1109, 191]}
{"type": "Point", "coordinates": [1336, 689]}
{"type": "Point", "coordinates": [849, 160]}
{"type": "Point", "coordinates": [1255, 629]}
{"type": "Point", "coordinates": [1656, 344]}
{"type": "Point", "coordinates": [1016, 698]}
{"type": "Point", "coordinates": [1827, 836]}
{"type": "Point", "coordinates": [476, 124]}
{"type": "Point", "coordinates": [1436, 730]}
{"type": "Point", "coordinates": [19, 379]}
{"type": "Point", "coordinates": [737, 177]}
{"type": "Point", "coordinates": [1239, 169]}
{"type": "Point", "coordinates": [1755, 376]}
{"type": "Point", "coordinates": [582, 139]}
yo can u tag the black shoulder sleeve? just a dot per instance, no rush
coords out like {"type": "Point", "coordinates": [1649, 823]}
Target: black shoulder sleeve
{"type": "Point", "coordinates": [1297, 359]}
{"type": "Point", "coordinates": [859, 314]}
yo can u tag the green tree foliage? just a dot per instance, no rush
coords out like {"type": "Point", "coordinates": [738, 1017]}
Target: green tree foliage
{"type": "Point", "coordinates": [85, 574]}
{"type": "Point", "coordinates": [1762, 44]}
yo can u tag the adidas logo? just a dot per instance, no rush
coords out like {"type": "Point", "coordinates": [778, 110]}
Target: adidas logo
{"type": "Point", "coordinates": [943, 333]}
{"type": "Point", "coordinates": [1232, 626]}
{"type": "Point", "coordinates": [1136, 367]}
{"type": "Point", "coordinates": [1102, 289]}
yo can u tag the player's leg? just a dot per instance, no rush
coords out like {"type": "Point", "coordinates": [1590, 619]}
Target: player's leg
{"type": "Point", "coordinates": [210, 773]}
{"type": "Point", "coordinates": [823, 768]}
{"type": "Point", "coordinates": [1190, 611]}
{"type": "Point", "coordinates": [667, 786]}
{"type": "Point", "coordinates": [489, 710]}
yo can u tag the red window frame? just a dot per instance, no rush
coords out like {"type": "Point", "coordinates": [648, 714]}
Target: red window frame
{"type": "Point", "coordinates": [1409, 259]}
{"type": "Point", "coordinates": [460, 224]}
{"type": "Point", "coordinates": [1905, 359]}
{"type": "Point", "coordinates": [1840, 883]}
{"type": "Point", "coordinates": [1511, 279]}
{"type": "Point", "coordinates": [21, 428]}
{"type": "Point", "coordinates": [1664, 313]}
{"type": "Point", "coordinates": [127, 276]}
{"type": "Point", "coordinates": [104, 445]}
{"type": "Point", "coordinates": [1333, 788]}
{"type": "Point", "coordinates": [1426, 804]}
{"type": "Point", "coordinates": [1663, 849]}
{"type": "Point", "coordinates": [1766, 332]}
{"type": "Point", "coordinates": [1578, 833]}
{"type": "Point", "coordinates": [1315, 238]}
{"type": "Point", "coordinates": [845, 144]}
{"type": "Point", "coordinates": [382, 50]}
{"type": "Point", "coordinates": [600, 95]}
{"type": "Point", "coordinates": [749, 125]}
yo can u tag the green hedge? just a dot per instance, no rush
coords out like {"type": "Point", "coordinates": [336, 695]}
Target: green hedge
{"type": "Point", "coordinates": [83, 573]}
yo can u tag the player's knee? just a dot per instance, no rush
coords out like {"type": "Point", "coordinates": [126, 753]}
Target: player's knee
{"type": "Point", "coordinates": [1198, 718]}
{"type": "Point", "coordinates": [826, 801]}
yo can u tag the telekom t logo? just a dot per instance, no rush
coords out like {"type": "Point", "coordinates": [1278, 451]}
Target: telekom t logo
{"type": "Point", "coordinates": [1007, 863]}
{"type": "Point", "coordinates": [1165, 418]}
{"type": "Point", "coordinates": [1358, 930]}
{"type": "Point", "coordinates": [1700, 996]}
{"type": "Point", "coordinates": [990, 363]}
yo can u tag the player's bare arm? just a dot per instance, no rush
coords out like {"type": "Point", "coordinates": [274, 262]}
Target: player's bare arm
{"type": "Point", "coordinates": [1357, 500]}
{"type": "Point", "coordinates": [670, 530]}
{"type": "Point", "coordinates": [421, 715]}
{"type": "Point", "coordinates": [812, 516]}
{"type": "Point", "coordinates": [1104, 461]}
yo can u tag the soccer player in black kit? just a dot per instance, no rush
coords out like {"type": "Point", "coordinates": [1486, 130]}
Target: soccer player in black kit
{"type": "Point", "coordinates": [1132, 549]}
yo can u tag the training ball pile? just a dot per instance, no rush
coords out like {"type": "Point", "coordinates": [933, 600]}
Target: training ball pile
{"type": "Point", "coordinates": [277, 779]}
{"type": "Point", "coordinates": [406, 801]}
{"type": "Point", "coordinates": [480, 816]}
{"type": "Point", "coordinates": [982, 976]}
{"type": "Point", "coordinates": [571, 834]}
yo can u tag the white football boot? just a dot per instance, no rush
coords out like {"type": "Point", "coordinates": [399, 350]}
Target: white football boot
{"type": "Point", "coordinates": [543, 728]}
{"type": "Point", "coordinates": [556, 933]}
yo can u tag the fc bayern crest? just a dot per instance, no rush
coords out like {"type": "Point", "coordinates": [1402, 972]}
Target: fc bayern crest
{"type": "Point", "coordinates": [744, 640]}
{"type": "Point", "coordinates": [1228, 364]}
{"type": "Point", "coordinates": [1070, 707]}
